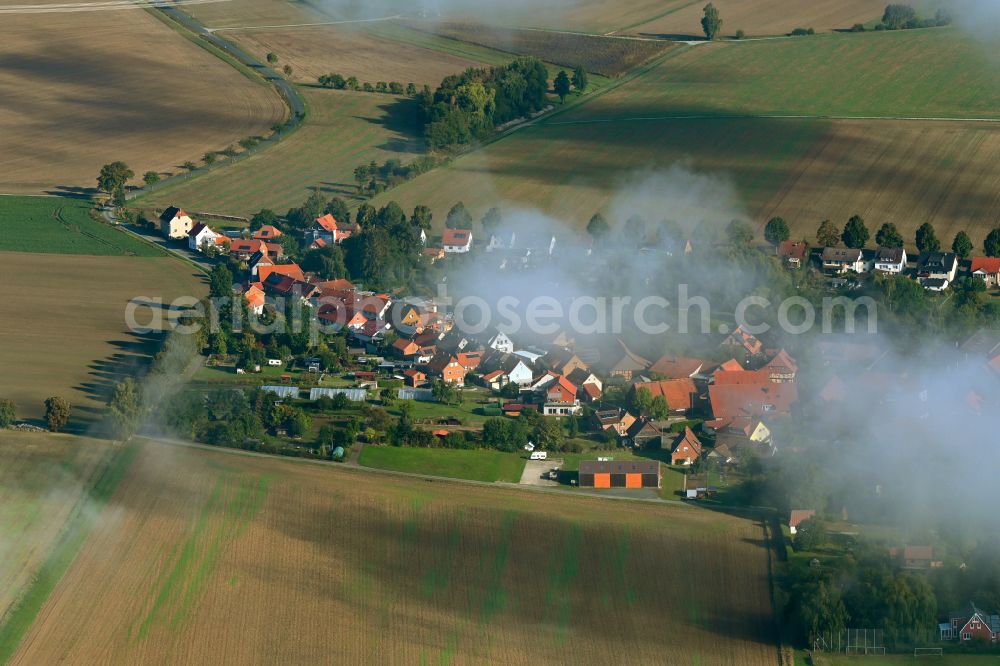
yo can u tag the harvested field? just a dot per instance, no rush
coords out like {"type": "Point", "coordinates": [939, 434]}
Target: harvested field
{"type": "Point", "coordinates": [803, 170]}
{"type": "Point", "coordinates": [318, 50]}
{"type": "Point", "coordinates": [344, 129]}
{"type": "Point", "coordinates": [932, 73]}
{"type": "Point", "coordinates": [571, 171]}
{"type": "Point", "coordinates": [254, 13]}
{"type": "Point", "coordinates": [73, 103]}
{"type": "Point", "coordinates": [50, 487]}
{"type": "Point", "coordinates": [64, 226]}
{"type": "Point", "coordinates": [906, 173]}
{"type": "Point", "coordinates": [207, 556]}
{"type": "Point", "coordinates": [764, 17]}
{"type": "Point", "coordinates": [62, 322]}
{"type": "Point", "coordinates": [609, 56]}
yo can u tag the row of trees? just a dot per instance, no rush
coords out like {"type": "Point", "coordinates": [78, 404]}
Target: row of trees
{"type": "Point", "coordinates": [856, 235]}
{"type": "Point", "coordinates": [905, 17]}
{"type": "Point", "coordinates": [373, 179]}
{"type": "Point", "coordinates": [468, 106]}
{"type": "Point", "coordinates": [57, 413]}
{"type": "Point", "coordinates": [563, 83]}
{"type": "Point", "coordinates": [338, 82]}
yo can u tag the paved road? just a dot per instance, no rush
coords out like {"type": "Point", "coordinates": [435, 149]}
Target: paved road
{"type": "Point", "coordinates": [287, 89]}
{"type": "Point", "coordinates": [145, 234]}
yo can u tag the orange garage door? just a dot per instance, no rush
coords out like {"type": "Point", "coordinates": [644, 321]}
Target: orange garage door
{"type": "Point", "coordinates": [602, 480]}
{"type": "Point", "coordinates": [633, 480]}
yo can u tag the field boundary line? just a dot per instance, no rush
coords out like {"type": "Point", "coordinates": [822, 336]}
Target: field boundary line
{"type": "Point", "coordinates": [765, 116]}
{"type": "Point", "coordinates": [656, 17]}
{"type": "Point", "coordinates": [755, 511]}
{"type": "Point", "coordinates": [303, 25]}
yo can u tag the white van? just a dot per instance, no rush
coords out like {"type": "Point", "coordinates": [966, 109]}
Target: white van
{"type": "Point", "coordinates": [539, 455]}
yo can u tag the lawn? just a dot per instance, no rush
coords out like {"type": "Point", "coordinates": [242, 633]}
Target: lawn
{"type": "Point", "coordinates": [412, 571]}
{"type": "Point", "coordinates": [474, 465]}
{"type": "Point", "coordinates": [343, 130]}
{"type": "Point", "coordinates": [427, 412]}
{"type": "Point", "coordinates": [64, 226]}
{"type": "Point", "coordinates": [63, 325]}
{"type": "Point", "coordinates": [935, 73]}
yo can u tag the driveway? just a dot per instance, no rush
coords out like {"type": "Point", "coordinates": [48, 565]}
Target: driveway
{"type": "Point", "coordinates": [536, 472]}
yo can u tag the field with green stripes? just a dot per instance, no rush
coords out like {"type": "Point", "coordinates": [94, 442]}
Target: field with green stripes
{"type": "Point", "coordinates": [343, 130]}
{"type": "Point", "coordinates": [60, 225]}
{"type": "Point", "coordinates": [212, 556]}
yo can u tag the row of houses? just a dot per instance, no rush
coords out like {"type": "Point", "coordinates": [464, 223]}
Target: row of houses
{"type": "Point", "coordinates": [934, 270]}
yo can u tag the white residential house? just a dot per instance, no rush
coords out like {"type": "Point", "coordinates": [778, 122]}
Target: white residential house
{"type": "Point", "coordinates": [175, 223]}
{"type": "Point", "coordinates": [845, 260]}
{"type": "Point", "coordinates": [456, 241]}
{"type": "Point", "coordinates": [890, 260]}
{"type": "Point", "coordinates": [500, 342]}
{"type": "Point", "coordinates": [200, 236]}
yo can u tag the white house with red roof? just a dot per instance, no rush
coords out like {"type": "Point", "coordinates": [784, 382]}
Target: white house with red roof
{"type": "Point", "coordinates": [255, 297]}
{"type": "Point", "coordinates": [332, 231]}
{"type": "Point", "coordinates": [175, 223]}
{"type": "Point", "coordinates": [456, 241]}
{"type": "Point", "coordinates": [986, 269]}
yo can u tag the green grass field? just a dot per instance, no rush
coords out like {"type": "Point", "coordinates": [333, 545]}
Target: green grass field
{"type": "Point", "coordinates": [62, 226]}
{"type": "Point", "coordinates": [343, 130]}
{"type": "Point", "coordinates": [933, 73]}
{"type": "Point", "coordinates": [474, 465]}
{"type": "Point", "coordinates": [896, 660]}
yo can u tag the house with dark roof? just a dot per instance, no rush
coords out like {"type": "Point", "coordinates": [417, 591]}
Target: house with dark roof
{"type": "Point", "coordinates": [447, 368]}
{"type": "Point", "coordinates": [936, 270]}
{"type": "Point", "coordinates": [617, 420]}
{"type": "Point", "coordinates": [643, 434]}
{"type": "Point", "coordinates": [629, 363]}
{"type": "Point", "coordinates": [839, 260]}
{"type": "Point", "coordinates": [890, 260]}
{"type": "Point", "coordinates": [456, 241]}
{"type": "Point", "coordinates": [619, 474]}
{"type": "Point", "coordinates": [562, 361]}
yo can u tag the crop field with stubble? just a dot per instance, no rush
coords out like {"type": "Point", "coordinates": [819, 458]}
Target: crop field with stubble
{"type": "Point", "coordinates": [62, 322]}
{"type": "Point", "coordinates": [205, 556]}
{"type": "Point", "coordinates": [72, 102]}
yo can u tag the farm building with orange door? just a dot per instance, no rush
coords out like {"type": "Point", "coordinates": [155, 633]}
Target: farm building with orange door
{"type": "Point", "coordinates": [611, 474]}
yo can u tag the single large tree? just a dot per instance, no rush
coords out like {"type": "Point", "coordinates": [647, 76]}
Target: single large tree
{"type": "Point", "coordinates": [561, 85]}
{"type": "Point", "coordinates": [888, 236]}
{"type": "Point", "coordinates": [927, 240]}
{"type": "Point", "coordinates": [828, 234]}
{"type": "Point", "coordinates": [992, 244]}
{"type": "Point", "coordinates": [492, 220]}
{"type": "Point", "coordinates": [458, 217]}
{"type": "Point", "coordinates": [8, 414]}
{"type": "Point", "coordinates": [855, 234]}
{"type": "Point", "coordinates": [711, 22]}
{"type": "Point", "coordinates": [422, 217]}
{"type": "Point", "coordinates": [962, 245]}
{"type": "Point", "coordinates": [598, 227]}
{"type": "Point", "coordinates": [113, 178]}
{"type": "Point", "coordinates": [220, 282]}
{"type": "Point", "coordinates": [125, 408]}
{"type": "Point", "coordinates": [580, 79]}
{"type": "Point", "coordinates": [57, 413]}
{"type": "Point", "coordinates": [776, 231]}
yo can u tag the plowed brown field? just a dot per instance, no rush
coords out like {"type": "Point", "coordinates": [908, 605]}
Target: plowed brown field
{"type": "Point", "coordinates": [209, 557]}
{"type": "Point", "coordinates": [83, 89]}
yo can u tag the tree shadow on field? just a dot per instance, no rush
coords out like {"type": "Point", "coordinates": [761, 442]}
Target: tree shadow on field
{"type": "Point", "coordinates": [132, 359]}
{"type": "Point", "coordinates": [73, 192]}
{"type": "Point", "coordinates": [400, 116]}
